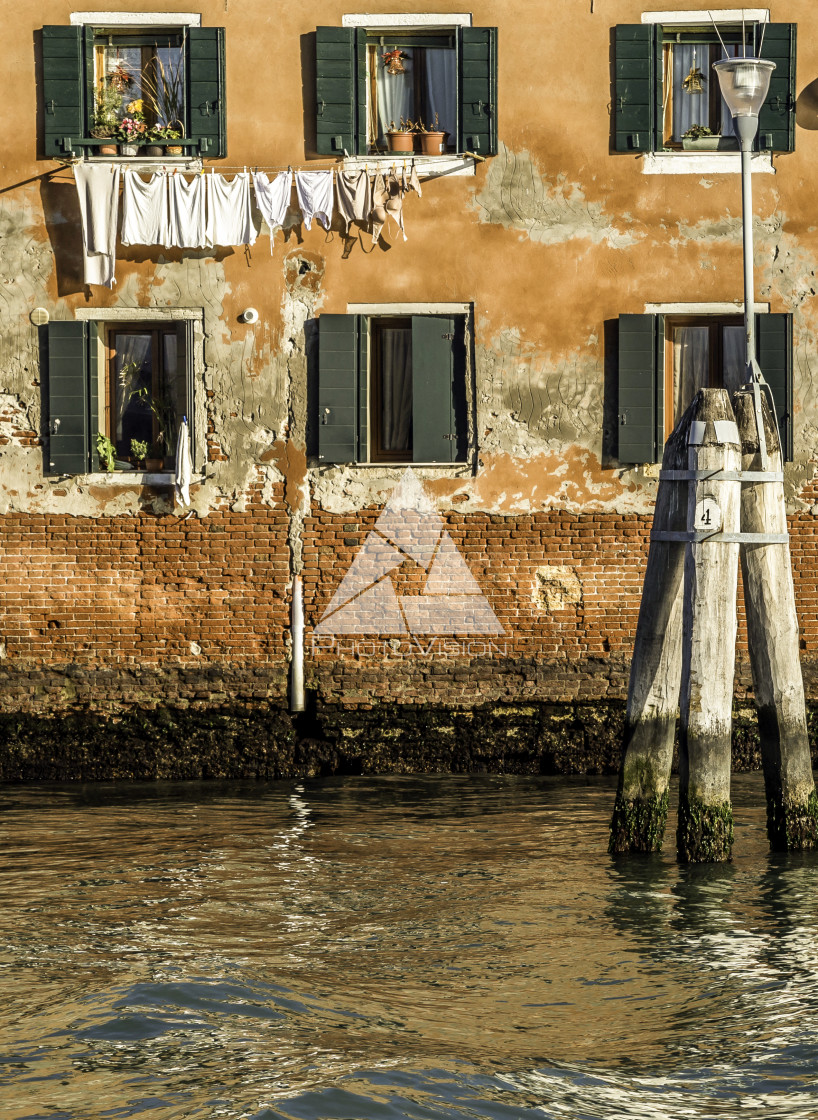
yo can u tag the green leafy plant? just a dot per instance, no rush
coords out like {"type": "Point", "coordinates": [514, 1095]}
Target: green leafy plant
{"type": "Point", "coordinates": [696, 131]}
{"type": "Point", "coordinates": [106, 452]}
{"type": "Point", "coordinates": [139, 449]}
{"type": "Point", "coordinates": [107, 104]}
{"type": "Point", "coordinates": [164, 413]}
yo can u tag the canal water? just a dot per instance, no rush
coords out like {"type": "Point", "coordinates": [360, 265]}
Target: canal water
{"type": "Point", "coordinates": [431, 948]}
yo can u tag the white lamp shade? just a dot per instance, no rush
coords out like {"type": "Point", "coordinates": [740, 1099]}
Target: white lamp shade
{"type": "Point", "coordinates": [744, 84]}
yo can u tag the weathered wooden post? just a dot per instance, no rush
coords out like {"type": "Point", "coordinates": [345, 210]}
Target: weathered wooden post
{"type": "Point", "coordinates": [705, 828]}
{"type": "Point", "coordinates": [772, 632]}
{"type": "Point", "coordinates": [640, 810]}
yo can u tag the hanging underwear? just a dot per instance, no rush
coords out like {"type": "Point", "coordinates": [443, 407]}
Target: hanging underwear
{"type": "Point", "coordinates": [394, 202]}
{"type": "Point", "coordinates": [377, 214]}
{"type": "Point", "coordinates": [315, 196]}
{"type": "Point", "coordinates": [273, 199]}
{"type": "Point", "coordinates": [145, 209]}
{"type": "Point", "coordinates": [354, 197]}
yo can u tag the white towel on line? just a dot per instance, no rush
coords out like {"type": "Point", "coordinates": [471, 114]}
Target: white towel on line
{"type": "Point", "coordinates": [229, 221]}
{"type": "Point", "coordinates": [98, 191]}
{"type": "Point", "coordinates": [145, 218]}
{"type": "Point", "coordinates": [184, 467]}
{"type": "Point", "coordinates": [315, 196]}
{"type": "Point", "coordinates": [188, 219]}
{"type": "Point", "coordinates": [273, 199]}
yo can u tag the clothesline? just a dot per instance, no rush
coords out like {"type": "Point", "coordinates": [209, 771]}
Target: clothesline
{"type": "Point", "coordinates": [212, 210]}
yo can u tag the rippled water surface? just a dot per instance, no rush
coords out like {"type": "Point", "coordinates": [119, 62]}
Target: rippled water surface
{"type": "Point", "coordinates": [380, 948]}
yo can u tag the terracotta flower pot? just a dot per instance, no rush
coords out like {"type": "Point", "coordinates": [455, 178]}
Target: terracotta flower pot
{"type": "Point", "coordinates": [400, 141]}
{"type": "Point", "coordinates": [433, 143]}
{"type": "Point", "coordinates": [154, 464]}
{"type": "Point", "coordinates": [107, 149]}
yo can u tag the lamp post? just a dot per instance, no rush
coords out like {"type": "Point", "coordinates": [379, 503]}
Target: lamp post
{"type": "Point", "coordinates": [744, 84]}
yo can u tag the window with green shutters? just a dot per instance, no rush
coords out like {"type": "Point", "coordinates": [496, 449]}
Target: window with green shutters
{"type": "Point", "coordinates": [392, 389]}
{"type": "Point", "coordinates": [444, 77]}
{"type": "Point", "coordinates": [665, 359]}
{"type": "Point", "coordinates": [664, 84]}
{"type": "Point", "coordinates": [169, 80]}
{"type": "Point", "coordinates": [129, 381]}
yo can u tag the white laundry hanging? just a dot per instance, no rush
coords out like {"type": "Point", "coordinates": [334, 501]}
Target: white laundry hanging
{"type": "Point", "coordinates": [188, 217]}
{"type": "Point", "coordinates": [229, 221]}
{"type": "Point", "coordinates": [315, 196]}
{"type": "Point", "coordinates": [98, 191]}
{"type": "Point", "coordinates": [273, 198]}
{"type": "Point", "coordinates": [184, 468]}
{"type": "Point", "coordinates": [145, 209]}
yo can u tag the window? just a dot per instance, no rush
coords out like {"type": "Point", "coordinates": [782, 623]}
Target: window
{"type": "Point", "coordinates": [658, 72]}
{"type": "Point", "coordinates": [450, 72]}
{"type": "Point", "coordinates": [664, 360]}
{"type": "Point", "coordinates": [129, 381]}
{"type": "Point", "coordinates": [91, 75]}
{"type": "Point", "coordinates": [392, 389]}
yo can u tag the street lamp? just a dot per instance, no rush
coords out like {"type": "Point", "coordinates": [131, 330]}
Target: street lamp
{"type": "Point", "coordinates": [744, 84]}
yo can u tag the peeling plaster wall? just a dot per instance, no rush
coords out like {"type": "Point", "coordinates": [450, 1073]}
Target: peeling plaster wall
{"type": "Point", "coordinates": [550, 241]}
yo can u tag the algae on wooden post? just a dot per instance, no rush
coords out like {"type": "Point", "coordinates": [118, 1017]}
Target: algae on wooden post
{"type": "Point", "coordinates": [772, 631]}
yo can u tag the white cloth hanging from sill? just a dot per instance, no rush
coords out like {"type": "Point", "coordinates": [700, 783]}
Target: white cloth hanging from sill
{"type": "Point", "coordinates": [98, 191]}
{"type": "Point", "coordinates": [273, 198]}
{"type": "Point", "coordinates": [184, 468]}
{"type": "Point", "coordinates": [145, 218]}
{"type": "Point", "coordinates": [188, 218]}
{"type": "Point", "coordinates": [315, 196]}
{"type": "Point", "coordinates": [229, 221]}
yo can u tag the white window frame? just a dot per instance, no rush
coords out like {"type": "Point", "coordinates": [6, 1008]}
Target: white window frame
{"type": "Point", "coordinates": [196, 370]}
{"type": "Point", "coordinates": [385, 310]}
{"type": "Point", "coordinates": [428, 167]}
{"type": "Point", "coordinates": [712, 163]}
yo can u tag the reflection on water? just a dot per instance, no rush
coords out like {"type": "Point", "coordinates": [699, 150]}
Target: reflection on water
{"type": "Point", "coordinates": [374, 949]}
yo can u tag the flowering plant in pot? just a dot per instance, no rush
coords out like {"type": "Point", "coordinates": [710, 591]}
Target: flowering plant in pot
{"type": "Point", "coordinates": [400, 138]}
{"type": "Point", "coordinates": [132, 129]}
{"type": "Point", "coordinates": [700, 138]}
{"type": "Point", "coordinates": [160, 141]}
{"type": "Point", "coordinates": [432, 140]}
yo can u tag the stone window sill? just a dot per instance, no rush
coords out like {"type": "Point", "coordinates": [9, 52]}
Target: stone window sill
{"type": "Point", "coordinates": [135, 478]}
{"type": "Point", "coordinates": [704, 163]}
{"type": "Point", "coordinates": [428, 167]}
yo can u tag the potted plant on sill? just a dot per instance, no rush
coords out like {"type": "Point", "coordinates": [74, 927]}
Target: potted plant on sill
{"type": "Point", "coordinates": [139, 450]}
{"type": "Point", "coordinates": [432, 140]}
{"type": "Point", "coordinates": [132, 129]}
{"type": "Point", "coordinates": [105, 126]}
{"type": "Point", "coordinates": [699, 138]}
{"type": "Point", "coordinates": [160, 140]}
{"type": "Point", "coordinates": [401, 138]}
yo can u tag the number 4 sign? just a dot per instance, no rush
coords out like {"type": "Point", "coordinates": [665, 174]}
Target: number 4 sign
{"type": "Point", "coordinates": [708, 516]}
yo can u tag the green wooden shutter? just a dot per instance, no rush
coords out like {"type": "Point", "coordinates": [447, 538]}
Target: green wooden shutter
{"type": "Point", "coordinates": [635, 87]}
{"type": "Point", "coordinates": [774, 346]}
{"type": "Point", "coordinates": [69, 398]}
{"type": "Point", "coordinates": [477, 49]}
{"type": "Point", "coordinates": [336, 83]}
{"type": "Point", "coordinates": [776, 121]}
{"type": "Point", "coordinates": [63, 89]}
{"type": "Point", "coordinates": [437, 427]}
{"type": "Point", "coordinates": [341, 388]}
{"type": "Point", "coordinates": [207, 113]}
{"type": "Point", "coordinates": [641, 388]}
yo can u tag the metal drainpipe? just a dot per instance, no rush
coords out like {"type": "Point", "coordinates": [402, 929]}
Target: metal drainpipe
{"type": "Point", "coordinates": [297, 632]}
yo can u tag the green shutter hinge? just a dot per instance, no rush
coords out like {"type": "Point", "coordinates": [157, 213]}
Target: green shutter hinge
{"type": "Point", "coordinates": [51, 106]}
{"type": "Point", "coordinates": [208, 108]}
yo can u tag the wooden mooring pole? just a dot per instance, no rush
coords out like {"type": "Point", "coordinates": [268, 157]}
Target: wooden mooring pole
{"type": "Point", "coordinates": [772, 634]}
{"type": "Point", "coordinates": [705, 827]}
{"type": "Point", "coordinates": [640, 810]}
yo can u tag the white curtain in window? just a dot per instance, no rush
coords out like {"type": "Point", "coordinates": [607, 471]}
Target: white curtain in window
{"type": "Point", "coordinates": [732, 348]}
{"type": "Point", "coordinates": [396, 389]}
{"type": "Point", "coordinates": [133, 370]}
{"type": "Point", "coordinates": [691, 361]}
{"type": "Point", "coordinates": [691, 108]}
{"type": "Point", "coordinates": [395, 93]}
{"type": "Point", "coordinates": [441, 90]}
